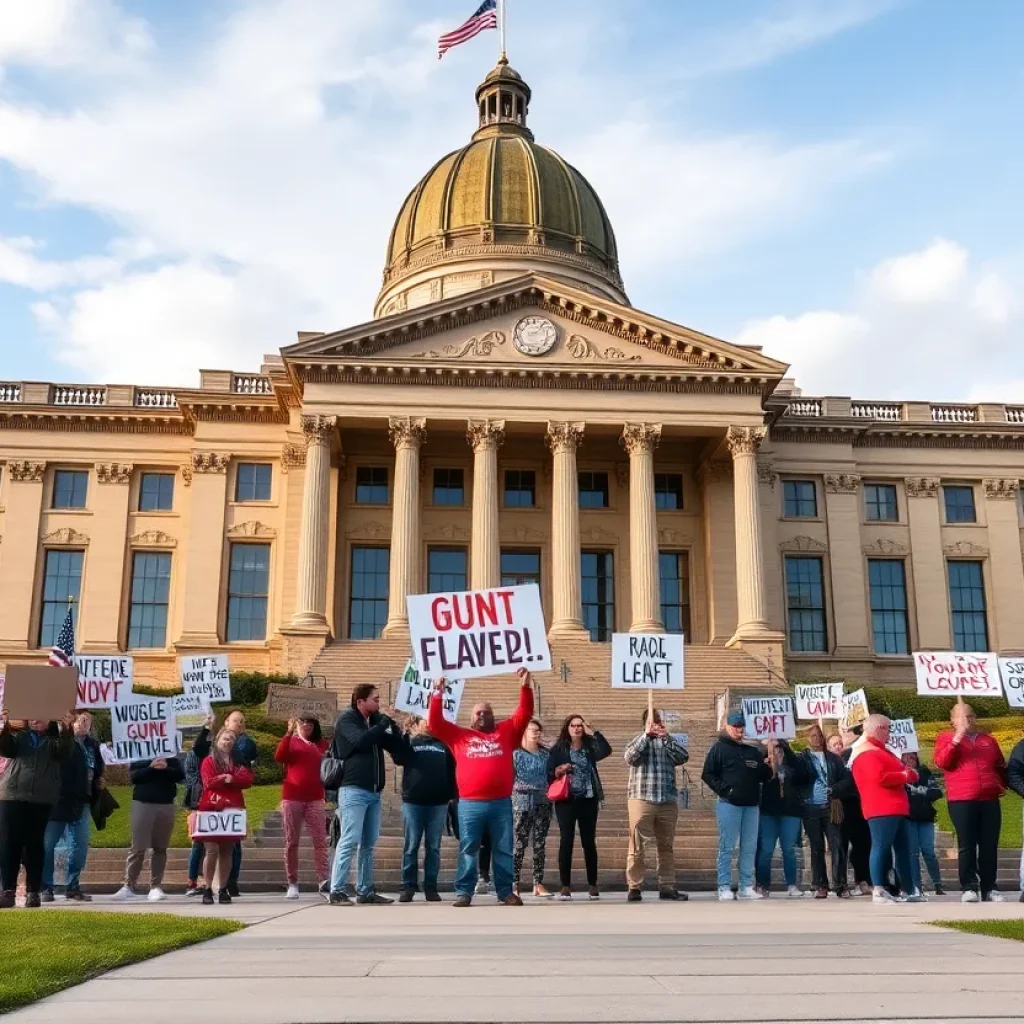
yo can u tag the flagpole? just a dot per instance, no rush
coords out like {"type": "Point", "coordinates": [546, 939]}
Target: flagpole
{"type": "Point", "coordinates": [501, 21]}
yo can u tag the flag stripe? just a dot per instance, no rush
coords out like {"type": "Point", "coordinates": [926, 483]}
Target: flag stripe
{"type": "Point", "coordinates": [484, 17]}
{"type": "Point", "coordinates": [63, 651]}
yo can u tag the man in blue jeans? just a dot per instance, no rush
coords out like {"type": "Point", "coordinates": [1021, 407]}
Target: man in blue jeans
{"type": "Point", "coordinates": [734, 771]}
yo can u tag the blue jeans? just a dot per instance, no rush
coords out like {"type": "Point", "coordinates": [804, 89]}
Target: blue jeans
{"type": "Point", "coordinates": [922, 844]}
{"type": "Point", "coordinates": [195, 860]}
{"type": "Point", "coordinates": [475, 818]}
{"type": "Point", "coordinates": [736, 825]}
{"type": "Point", "coordinates": [422, 824]}
{"type": "Point", "coordinates": [359, 817]}
{"type": "Point", "coordinates": [78, 833]}
{"type": "Point", "coordinates": [890, 834]}
{"type": "Point", "coordinates": [781, 829]}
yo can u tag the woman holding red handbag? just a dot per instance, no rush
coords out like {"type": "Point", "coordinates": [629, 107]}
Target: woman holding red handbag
{"type": "Point", "coordinates": [574, 758]}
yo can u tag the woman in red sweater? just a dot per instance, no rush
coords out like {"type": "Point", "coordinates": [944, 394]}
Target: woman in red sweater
{"type": "Point", "coordinates": [223, 782]}
{"type": "Point", "coordinates": [302, 799]}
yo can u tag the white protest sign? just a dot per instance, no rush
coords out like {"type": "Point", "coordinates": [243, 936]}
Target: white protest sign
{"type": "Point", "coordinates": [673, 722]}
{"type": "Point", "coordinates": [415, 691]}
{"type": "Point", "coordinates": [143, 730]}
{"type": "Point", "coordinates": [1012, 672]}
{"type": "Point", "coordinates": [769, 718]}
{"type": "Point", "coordinates": [468, 634]}
{"type": "Point", "coordinates": [949, 674]}
{"type": "Point", "coordinates": [190, 710]}
{"type": "Point", "coordinates": [110, 756]}
{"type": "Point", "coordinates": [902, 736]}
{"type": "Point", "coordinates": [819, 700]}
{"type": "Point", "coordinates": [103, 681]}
{"type": "Point", "coordinates": [227, 824]}
{"type": "Point", "coordinates": [206, 675]}
{"type": "Point", "coordinates": [647, 661]}
{"type": "Point", "coordinates": [855, 709]}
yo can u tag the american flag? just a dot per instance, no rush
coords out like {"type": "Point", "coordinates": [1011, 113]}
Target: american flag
{"type": "Point", "coordinates": [62, 653]}
{"type": "Point", "coordinates": [485, 16]}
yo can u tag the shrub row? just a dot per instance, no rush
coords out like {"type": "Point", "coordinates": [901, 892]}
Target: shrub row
{"type": "Point", "coordinates": [247, 688]}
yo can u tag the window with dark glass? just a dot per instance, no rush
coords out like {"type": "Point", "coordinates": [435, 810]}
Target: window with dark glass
{"type": "Point", "coordinates": [593, 490]}
{"type": "Point", "coordinates": [598, 581]}
{"type": "Point", "coordinates": [62, 584]}
{"type": "Point", "coordinates": [150, 599]}
{"type": "Point", "coordinates": [800, 499]}
{"type": "Point", "coordinates": [520, 567]}
{"type": "Point", "coordinates": [248, 587]}
{"type": "Point", "coordinates": [805, 604]}
{"type": "Point", "coordinates": [887, 581]}
{"type": "Point", "coordinates": [156, 493]}
{"type": "Point", "coordinates": [520, 488]}
{"type": "Point", "coordinates": [959, 503]}
{"type": "Point", "coordinates": [668, 491]}
{"type": "Point", "coordinates": [674, 574]}
{"type": "Point", "coordinates": [371, 485]}
{"type": "Point", "coordinates": [446, 569]}
{"type": "Point", "coordinates": [967, 602]}
{"type": "Point", "coordinates": [70, 488]}
{"type": "Point", "coordinates": [253, 481]}
{"type": "Point", "coordinates": [448, 487]}
{"type": "Point", "coordinates": [880, 503]}
{"type": "Point", "coordinates": [368, 603]}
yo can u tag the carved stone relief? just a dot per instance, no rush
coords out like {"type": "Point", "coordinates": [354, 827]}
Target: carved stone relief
{"type": "Point", "coordinates": [965, 549]}
{"type": "Point", "coordinates": [1002, 490]}
{"type": "Point", "coordinates": [803, 543]}
{"type": "Point", "coordinates": [584, 349]}
{"type": "Point", "coordinates": [292, 456]}
{"type": "Point", "coordinates": [842, 483]}
{"type": "Point", "coordinates": [475, 348]}
{"type": "Point", "coordinates": [922, 486]}
{"type": "Point", "coordinates": [766, 471]}
{"type": "Point", "coordinates": [369, 531]}
{"type": "Point", "coordinates": [210, 462]}
{"type": "Point", "coordinates": [65, 537]}
{"type": "Point", "coordinates": [745, 440]}
{"type": "Point", "coordinates": [24, 470]}
{"type": "Point", "coordinates": [448, 531]}
{"type": "Point", "coordinates": [595, 535]}
{"type": "Point", "coordinates": [252, 528]}
{"type": "Point", "coordinates": [114, 472]}
{"type": "Point", "coordinates": [886, 547]}
{"type": "Point", "coordinates": [153, 539]}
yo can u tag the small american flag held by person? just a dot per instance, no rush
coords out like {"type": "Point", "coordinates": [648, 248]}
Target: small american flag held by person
{"type": "Point", "coordinates": [63, 652]}
{"type": "Point", "coordinates": [484, 17]}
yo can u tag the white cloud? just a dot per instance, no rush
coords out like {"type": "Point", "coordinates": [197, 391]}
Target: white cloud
{"type": "Point", "coordinates": [20, 265]}
{"type": "Point", "coordinates": [932, 275]}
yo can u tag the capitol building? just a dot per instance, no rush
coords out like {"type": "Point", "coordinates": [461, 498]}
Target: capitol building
{"type": "Point", "coordinates": [506, 417]}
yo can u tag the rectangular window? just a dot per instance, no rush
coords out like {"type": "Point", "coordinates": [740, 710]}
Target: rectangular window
{"type": "Point", "coordinates": [967, 601]}
{"type": "Point", "coordinates": [593, 490]}
{"type": "Point", "coordinates": [371, 485]}
{"type": "Point", "coordinates": [446, 569]}
{"type": "Point", "coordinates": [805, 603]}
{"type": "Point", "coordinates": [448, 487]}
{"type": "Point", "coordinates": [674, 573]}
{"type": "Point", "coordinates": [800, 499]}
{"type": "Point", "coordinates": [668, 491]}
{"type": "Point", "coordinates": [253, 481]}
{"type": "Point", "coordinates": [62, 584]}
{"type": "Point", "coordinates": [70, 488]}
{"type": "Point", "coordinates": [368, 605]}
{"type": "Point", "coordinates": [156, 493]}
{"type": "Point", "coordinates": [248, 588]}
{"type": "Point", "coordinates": [887, 580]}
{"type": "Point", "coordinates": [880, 503]}
{"type": "Point", "coordinates": [150, 598]}
{"type": "Point", "coordinates": [598, 580]}
{"type": "Point", "coordinates": [519, 568]}
{"type": "Point", "coordinates": [520, 488]}
{"type": "Point", "coordinates": [959, 503]}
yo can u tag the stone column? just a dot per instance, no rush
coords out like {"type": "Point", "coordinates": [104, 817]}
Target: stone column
{"type": "Point", "coordinates": [23, 500]}
{"type": "Point", "coordinates": [407, 435]}
{"type": "Point", "coordinates": [485, 437]}
{"type": "Point", "coordinates": [1005, 565]}
{"type": "Point", "coordinates": [311, 598]}
{"type": "Point", "coordinates": [567, 616]}
{"type": "Point", "coordinates": [640, 440]}
{"type": "Point", "coordinates": [846, 566]}
{"type": "Point", "coordinates": [928, 564]}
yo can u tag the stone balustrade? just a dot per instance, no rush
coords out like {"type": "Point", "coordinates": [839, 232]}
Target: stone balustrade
{"type": "Point", "coordinates": [800, 407]}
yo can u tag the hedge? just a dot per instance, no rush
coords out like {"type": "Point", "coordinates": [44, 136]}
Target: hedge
{"type": "Point", "coordinates": [247, 688]}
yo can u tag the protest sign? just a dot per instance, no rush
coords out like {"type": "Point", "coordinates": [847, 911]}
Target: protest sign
{"type": "Point", "coordinates": [227, 824]}
{"type": "Point", "coordinates": [816, 701]}
{"type": "Point", "coordinates": [103, 681]}
{"type": "Point", "coordinates": [206, 675]}
{"type": "Point", "coordinates": [673, 722]}
{"type": "Point", "coordinates": [769, 718]}
{"type": "Point", "coordinates": [468, 634]}
{"type": "Point", "coordinates": [948, 674]}
{"type": "Point", "coordinates": [39, 692]}
{"type": "Point", "coordinates": [144, 730]}
{"type": "Point", "coordinates": [110, 756]}
{"type": "Point", "coordinates": [855, 709]}
{"type": "Point", "coordinates": [284, 702]}
{"type": "Point", "coordinates": [415, 691]}
{"type": "Point", "coordinates": [647, 661]}
{"type": "Point", "coordinates": [721, 709]}
{"type": "Point", "coordinates": [1012, 672]}
{"type": "Point", "coordinates": [190, 710]}
{"type": "Point", "coordinates": [902, 736]}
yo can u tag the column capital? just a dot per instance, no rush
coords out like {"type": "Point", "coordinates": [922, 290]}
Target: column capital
{"type": "Point", "coordinates": [745, 440]}
{"type": "Point", "coordinates": [1002, 489]}
{"type": "Point", "coordinates": [640, 437]}
{"type": "Point", "coordinates": [842, 483]}
{"type": "Point", "coordinates": [485, 434]}
{"type": "Point", "coordinates": [25, 470]}
{"type": "Point", "coordinates": [564, 436]}
{"type": "Point", "coordinates": [318, 429]}
{"type": "Point", "coordinates": [922, 486]}
{"type": "Point", "coordinates": [406, 432]}
{"type": "Point", "coordinates": [114, 472]}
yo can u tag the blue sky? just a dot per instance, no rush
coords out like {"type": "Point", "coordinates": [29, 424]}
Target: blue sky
{"type": "Point", "coordinates": [189, 184]}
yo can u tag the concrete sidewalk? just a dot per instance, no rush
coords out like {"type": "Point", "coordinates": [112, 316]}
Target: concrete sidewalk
{"type": "Point", "coordinates": [776, 960]}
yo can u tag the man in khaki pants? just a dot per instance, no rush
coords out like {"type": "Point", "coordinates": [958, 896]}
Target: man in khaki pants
{"type": "Point", "coordinates": [653, 757]}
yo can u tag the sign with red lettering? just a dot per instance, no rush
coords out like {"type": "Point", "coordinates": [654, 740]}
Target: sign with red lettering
{"type": "Point", "coordinates": [1012, 671]}
{"type": "Point", "coordinates": [103, 680]}
{"type": "Point", "coordinates": [143, 730]}
{"type": "Point", "coordinates": [815, 701]}
{"type": "Point", "coordinates": [468, 634]}
{"type": "Point", "coordinates": [227, 824]}
{"type": "Point", "coordinates": [769, 718]}
{"type": "Point", "coordinates": [949, 674]}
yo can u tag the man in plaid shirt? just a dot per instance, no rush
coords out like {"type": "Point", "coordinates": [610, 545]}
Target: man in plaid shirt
{"type": "Point", "coordinates": [653, 757]}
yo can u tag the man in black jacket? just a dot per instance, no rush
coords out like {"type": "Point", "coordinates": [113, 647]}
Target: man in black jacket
{"type": "Point", "coordinates": [1015, 776]}
{"type": "Point", "coordinates": [822, 815]}
{"type": "Point", "coordinates": [854, 831]}
{"type": "Point", "coordinates": [923, 794]}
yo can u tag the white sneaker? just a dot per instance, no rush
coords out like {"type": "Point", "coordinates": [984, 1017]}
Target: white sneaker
{"type": "Point", "coordinates": [156, 894]}
{"type": "Point", "coordinates": [795, 891]}
{"type": "Point", "coordinates": [124, 893]}
{"type": "Point", "coordinates": [917, 897]}
{"type": "Point", "coordinates": [483, 887]}
{"type": "Point", "coordinates": [969, 896]}
{"type": "Point", "coordinates": [748, 893]}
{"type": "Point", "coordinates": [994, 897]}
{"type": "Point", "coordinates": [292, 893]}
{"type": "Point", "coordinates": [725, 894]}
{"type": "Point", "coordinates": [883, 896]}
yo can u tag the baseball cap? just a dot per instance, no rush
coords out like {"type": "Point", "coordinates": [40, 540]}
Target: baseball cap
{"type": "Point", "coordinates": [736, 720]}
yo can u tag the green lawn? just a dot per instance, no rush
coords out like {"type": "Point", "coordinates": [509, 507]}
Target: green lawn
{"type": "Point", "coordinates": [259, 801]}
{"type": "Point", "coordinates": [49, 950]}
{"type": "Point", "coordinates": [1009, 836]}
{"type": "Point", "coordinates": [997, 929]}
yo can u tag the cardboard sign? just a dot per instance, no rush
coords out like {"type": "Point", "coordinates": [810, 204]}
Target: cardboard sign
{"type": "Point", "coordinates": [206, 675]}
{"type": "Point", "coordinates": [228, 824]}
{"type": "Point", "coordinates": [190, 710]}
{"type": "Point", "coordinates": [144, 730]}
{"type": "Point", "coordinates": [855, 709]}
{"type": "Point", "coordinates": [769, 718]}
{"type": "Point", "coordinates": [647, 661]}
{"type": "Point", "coordinates": [949, 674]}
{"type": "Point", "coordinates": [902, 736]}
{"type": "Point", "coordinates": [1010, 669]}
{"type": "Point", "coordinates": [819, 700]}
{"type": "Point", "coordinates": [284, 702]}
{"type": "Point", "coordinates": [40, 692]}
{"type": "Point", "coordinates": [468, 634]}
{"type": "Point", "coordinates": [415, 691]}
{"type": "Point", "coordinates": [103, 681]}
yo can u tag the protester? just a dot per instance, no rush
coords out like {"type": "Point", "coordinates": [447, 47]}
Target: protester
{"type": "Point", "coordinates": [835, 744]}
{"type": "Point", "coordinates": [531, 809]}
{"type": "Point", "coordinates": [881, 779]}
{"type": "Point", "coordinates": [428, 789]}
{"type": "Point", "coordinates": [301, 750]}
{"type": "Point", "coordinates": [975, 774]}
{"type": "Point", "coordinates": [81, 780]}
{"type": "Point", "coordinates": [361, 735]}
{"type": "Point", "coordinates": [734, 771]}
{"type": "Point", "coordinates": [781, 817]}
{"type": "Point", "coordinates": [1015, 778]}
{"type": "Point", "coordinates": [484, 774]}
{"type": "Point", "coordinates": [190, 763]}
{"type": "Point", "coordinates": [653, 806]}
{"type": "Point", "coordinates": [576, 753]}
{"type": "Point", "coordinates": [922, 795]}
{"type": "Point", "coordinates": [224, 780]}
{"type": "Point", "coordinates": [823, 815]}
{"type": "Point", "coordinates": [854, 832]}
{"type": "Point", "coordinates": [245, 754]}
{"type": "Point", "coordinates": [29, 788]}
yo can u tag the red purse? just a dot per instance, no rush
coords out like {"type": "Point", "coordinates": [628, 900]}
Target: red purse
{"type": "Point", "coordinates": [559, 789]}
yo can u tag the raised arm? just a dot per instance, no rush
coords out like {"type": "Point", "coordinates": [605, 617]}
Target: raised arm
{"type": "Point", "coordinates": [524, 712]}
{"type": "Point", "coordinates": [447, 732]}
{"type": "Point", "coordinates": [677, 753]}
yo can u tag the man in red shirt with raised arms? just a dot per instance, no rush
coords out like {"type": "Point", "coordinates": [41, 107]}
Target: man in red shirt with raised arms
{"type": "Point", "coordinates": [484, 775]}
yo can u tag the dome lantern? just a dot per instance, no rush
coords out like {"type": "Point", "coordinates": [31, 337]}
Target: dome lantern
{"type": "Point", "coordinates": [503, 102]}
